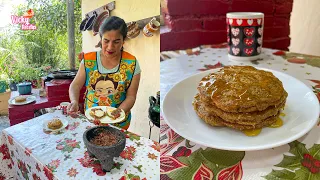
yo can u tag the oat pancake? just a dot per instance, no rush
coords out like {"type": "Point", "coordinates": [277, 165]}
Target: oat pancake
{"type": "Point", "coordinates": [255, 116]}
{"type": "Point", "coordinates": [217, 121]}
{"type": "Point", "coordinates": [242, 89]}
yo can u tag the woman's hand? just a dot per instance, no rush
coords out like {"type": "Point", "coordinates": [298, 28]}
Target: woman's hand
{"type": "Point", "coordinates": [73, 107]}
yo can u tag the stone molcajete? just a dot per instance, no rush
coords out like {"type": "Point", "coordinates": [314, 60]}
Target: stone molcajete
{"type": "Point", "coordinates": [104, 154]}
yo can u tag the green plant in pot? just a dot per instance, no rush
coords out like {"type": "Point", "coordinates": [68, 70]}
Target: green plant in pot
{"type": "Point", "coordinates": [3, 83]}
{"type": "Point", "coordinates": [3, 86]}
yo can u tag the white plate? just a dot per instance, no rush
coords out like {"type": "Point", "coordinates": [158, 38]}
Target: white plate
{"type": "Point", "coordinates": [106, 119]}
{"type": "Point", "coordinates": [64, 122]}
{"type": "Point", "coordinates": [302, 112]}
{"type": "Point", "coordinates": [30, 99]}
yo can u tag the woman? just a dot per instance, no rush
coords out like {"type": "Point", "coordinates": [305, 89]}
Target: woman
{"type": "Point", "coordinates": [111, 75]}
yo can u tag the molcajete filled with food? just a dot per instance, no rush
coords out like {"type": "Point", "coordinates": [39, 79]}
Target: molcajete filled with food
{"type": "Point", "coordinates": [104, 143]}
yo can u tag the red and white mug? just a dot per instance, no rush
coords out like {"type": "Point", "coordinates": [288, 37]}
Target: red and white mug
{"type": "Point", "coordinates": [64, 106]}
{"type": "Point", "coordinates": [245, 35]}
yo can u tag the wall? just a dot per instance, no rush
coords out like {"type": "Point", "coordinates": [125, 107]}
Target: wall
{"type": "Point", "coordinates": [305, 27]}
{"type": "Point", "coordinates": [191, 23]}
{"type": "Point", "coordinates": [146, 50]}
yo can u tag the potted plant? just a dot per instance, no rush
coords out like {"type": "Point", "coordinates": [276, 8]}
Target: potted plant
{"type": "Point", "coordinates": [3, 83]}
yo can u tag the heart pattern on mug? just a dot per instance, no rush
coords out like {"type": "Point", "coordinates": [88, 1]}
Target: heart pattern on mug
{"type": "Point", "coordinates": [259, 40]}
{"type": "Point", "coordinates": [248, 31]}
{"type": "Point", "coordinates": [259, 50]}
{"type": "Point", "coordinates": [250, 21]}
{"type": "Point", "coordinates": [235, 51]}
{"type": "Point", "coordinates": [248, 41]}
{"type": "Point", "coordinates": [235, 31]}
{"type": "Point", "coordinates": [235, 41]}
{"type": "Point", "coordinates": [248, 51]}
{"type": "Point", "coordinates": [260, 31]}
{"type": "Point", "coordinates": [239, 21]}
{"type": "Point", "coordinates": [230, 21]}
{"type": "Point", "coordinates": [259, 21]}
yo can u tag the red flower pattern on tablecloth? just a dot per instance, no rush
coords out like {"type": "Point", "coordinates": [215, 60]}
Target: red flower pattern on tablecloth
{"type": "Point", "coordinates": [48, 173]}
{"type": "Point", "coordinates": [130, 176]}
{"type": "Point", "coordinates": [164, 128]}
{"type": "Point", "coordinates": [152, 156]}
{"type": "Point", "coordinates": [174, 139]}
{"type": "Point", "coordinates": [23, 169]}
{"type": "Point", "coordinates": [128, 153]}
{"type": "Point", "coordinates": [54, 163]}
{"type": "Point", "coordinates": [28, 151]}
{"type": "Point", "coordinates": [234, 172]}
{"type": "Point", "coordinates": [73, 126]}
{"type": "Point", "coordinates": [35, 177]}
{"type": "Point", "coordinates": [68, 145]}
{"type": "Point", "coordinates": [156, 146]}
{"type": "Point", "coordinates": [182, 151]}
{"type": "Point", "coordinates": [89, 162]}
{"type": "Point", "coordinates": [38, 167]}
{"type": "Point", "coordinates": [209, 66]}
{"type": "Point", "coordinates": [169, 164]}
{"type": "Point", "coordinates": [312, 164]}
{"type": "Point", "coordinates": [203, 173]}
{"type": "Point", "coordinates": [316, 88]}
{"type": "Point", "coordinates": [5, 151]}
{"type": "Point", "coordinates": [10, 140]}
{"type": "Point", "coordinates": [2, 177]}
{"type": "Point", "coordinates": [50, 168]}
{"type": "Point", "coordinates": [72, 172]}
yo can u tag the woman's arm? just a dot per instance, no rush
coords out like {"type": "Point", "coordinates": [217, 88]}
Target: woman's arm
{"type": "Point", "coordinates": [128, 103]}
{"type": "Point", "coordinates": [75, 87]}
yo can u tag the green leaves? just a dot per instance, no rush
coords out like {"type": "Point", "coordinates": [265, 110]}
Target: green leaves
{"type": "Point", "coordinates": [302, 164]}
{"type": "Point", "coordinates": [207, 161]}
{"type": "Point", "coordinates": [280, 175]}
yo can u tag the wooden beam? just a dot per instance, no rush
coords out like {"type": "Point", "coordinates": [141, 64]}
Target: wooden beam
{"type": "Point", "coordinates": [71, 36]}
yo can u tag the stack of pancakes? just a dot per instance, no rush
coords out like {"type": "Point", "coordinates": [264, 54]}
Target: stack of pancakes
{"type": "Point", "coordinates": [240, 97]}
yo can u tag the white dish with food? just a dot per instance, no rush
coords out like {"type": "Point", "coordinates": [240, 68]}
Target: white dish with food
{"type": "Point", "coordinates": [22, 100]}
{"type": "Point", "coordinates": [301, 115]}
{"type": "Point", "coordinates": [104, 114]}
{"type": "Point", "coordinates": [64, 124]}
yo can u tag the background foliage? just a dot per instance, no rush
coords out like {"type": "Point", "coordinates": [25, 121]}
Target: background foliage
{"type": "Point", "coordinates": [28, 55]}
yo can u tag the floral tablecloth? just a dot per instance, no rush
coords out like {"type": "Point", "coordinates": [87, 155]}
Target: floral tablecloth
{"type": "Point", "coordinates": [28, 152]}
{"type": "Point", "coordinates": [182, 159]}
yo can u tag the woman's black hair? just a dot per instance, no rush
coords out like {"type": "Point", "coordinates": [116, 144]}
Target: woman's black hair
{"type": "Point", "coordinates": [114, 23]}
{"type": "Point", "coordinates": [105, 78]}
